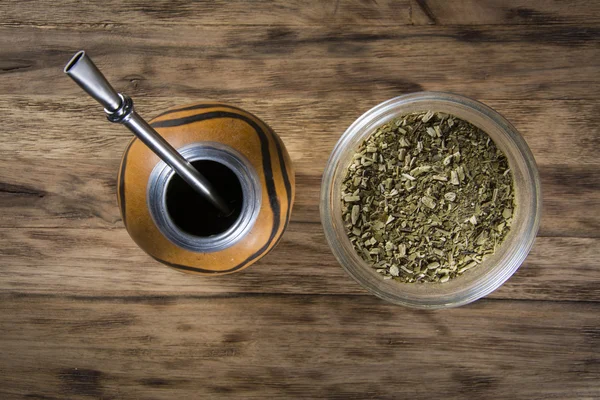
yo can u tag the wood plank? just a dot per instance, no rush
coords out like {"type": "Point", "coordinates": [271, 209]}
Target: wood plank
{"type": "Point", "coordinates": [334, 347]}
{"type": "Point", "coordinates": [506, 62]}
{"type": "Point", "coordinates": [57, 177]}
{"type": "Point", "coordinates": [39, 193]}
{"type": "Point", "coordinates": [101, 262]}
{"type": "Point", "coordinates": [518, 12]}
{"type": "Point", "coordinates": [559, 132]}
{"type": "Point", "coordinates": [103, 14]}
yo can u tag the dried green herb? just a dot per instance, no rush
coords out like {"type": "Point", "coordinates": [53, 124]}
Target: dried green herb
{"type": "Point", "coordinates": [427, 197]}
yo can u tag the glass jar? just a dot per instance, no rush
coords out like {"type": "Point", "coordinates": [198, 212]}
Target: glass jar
{"type": "Point", "coordinates": [496, 268]}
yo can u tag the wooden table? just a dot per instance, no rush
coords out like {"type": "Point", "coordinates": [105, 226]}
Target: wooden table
{"type": "Point", "coordinates": [84, 313]}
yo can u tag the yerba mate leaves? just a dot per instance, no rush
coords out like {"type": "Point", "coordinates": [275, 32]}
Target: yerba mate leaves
{"type": "Point", "coordinates": [427, 197]}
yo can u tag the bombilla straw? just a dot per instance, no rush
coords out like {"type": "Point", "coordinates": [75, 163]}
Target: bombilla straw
{"type": "Point", "coordinates": [119, 108]}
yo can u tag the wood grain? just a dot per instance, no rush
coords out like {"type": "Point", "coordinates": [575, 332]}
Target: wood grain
{"type": "Point", "coordinates": [84, 313]}
{"type": "Point", "coordinates": [506, 12]}
{"type": "Point", "coordinates": [106, 262]}
{"type": "Point", "coordinates": [334, 347]}
{"type": "Point", "coordinates": [38, 193]}
{"type": "Point", "coordinates": [297, 12]}
{"type": "Point", "coordinates": [559, 132]}
{"type": "Point", "coordinates": [564, 136]}
{"type": "Point", "coordinates": [504, 62]}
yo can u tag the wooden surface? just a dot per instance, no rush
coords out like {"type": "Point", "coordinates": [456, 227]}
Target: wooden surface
{"type": "Point", "coordinates": [84, 313]}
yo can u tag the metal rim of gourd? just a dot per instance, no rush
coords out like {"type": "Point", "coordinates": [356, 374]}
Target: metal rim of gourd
{"type": "Point", "coordinates": [156, 198]}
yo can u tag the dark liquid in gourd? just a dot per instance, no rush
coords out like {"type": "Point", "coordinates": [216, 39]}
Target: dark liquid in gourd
{"type": "Point", "coordinates": [195, 215]}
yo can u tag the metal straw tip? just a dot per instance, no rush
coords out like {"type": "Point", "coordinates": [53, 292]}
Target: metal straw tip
{"type": "Point", "coordinates": [85, 73]}
{"type": "Point", "coordinates": [74, 60]}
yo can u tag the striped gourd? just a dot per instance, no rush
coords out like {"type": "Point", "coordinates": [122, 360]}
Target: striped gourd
{"type": "Point", "coordinates": [228, 126]}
